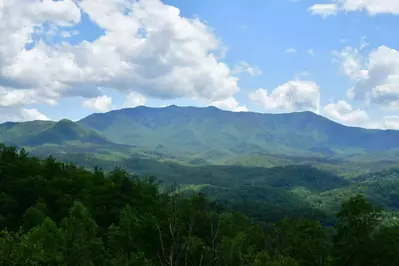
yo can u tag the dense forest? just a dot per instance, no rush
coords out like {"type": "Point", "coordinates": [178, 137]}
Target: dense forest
{"type": "Point", "coordinates": [54, 213]}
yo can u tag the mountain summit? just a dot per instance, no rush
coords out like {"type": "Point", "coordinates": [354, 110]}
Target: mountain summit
{"type": "Point", "coordinates": [208, 133]}
{"type": "Point", "coordinates": [206, 130]}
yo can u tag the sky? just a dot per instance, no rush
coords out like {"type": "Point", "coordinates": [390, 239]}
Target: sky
{"type": "Point", "coordinates": [70, 58]}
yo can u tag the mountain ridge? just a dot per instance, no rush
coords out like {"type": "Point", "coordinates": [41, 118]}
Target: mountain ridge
{"type": "Point", "coordinates": [250, 131]}
{"type": "Point", "coordinates": [208, 133]}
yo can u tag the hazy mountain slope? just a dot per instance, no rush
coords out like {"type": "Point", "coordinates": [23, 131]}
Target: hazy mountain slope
{"type": "Point", "coordinates": [39, 133]}
{"type": "Point", "coordinates": [209, 135]}
{"type": "Point", "coordinates": [44, 138]}
{"type": "Point", "coordinates": [201, 130]}
{"type": "Point", "coordinates": [14, 130]}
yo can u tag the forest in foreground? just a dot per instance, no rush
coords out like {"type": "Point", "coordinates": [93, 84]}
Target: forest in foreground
{"type": "Point", "coordinates": [54, 213]}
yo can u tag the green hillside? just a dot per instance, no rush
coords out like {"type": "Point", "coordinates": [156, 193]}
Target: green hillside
{"type": "Point", "coordinates": [62, 132]}
{"type": "Point", "coordinates": [203, 136]}
{"type": "Point", "coordinates": [206, 131]}
{"type": "Point", "coordinates": [54, 213]}
{"type": "Point", "coordinates": [173, 137]}
{"type": "Point", "coordinates": [45, 138]}
{"type": "Point", "coordinates": [37, 133]}
{"type": "Point", "coordinates": [10, 131]}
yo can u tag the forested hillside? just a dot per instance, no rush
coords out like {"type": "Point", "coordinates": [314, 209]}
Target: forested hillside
{"type": "Point", "coordinates": [206, 136]}
{"type": "Point", "coordinates": [54, 213]}
{"type": "Point", "coordinates": [203, 131]}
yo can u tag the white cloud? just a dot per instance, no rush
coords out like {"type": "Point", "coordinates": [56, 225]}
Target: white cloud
{"type": "Point", "coordinates": [324, 10]}
{"type": "Point", "coordinates": [134, 99]}
{"type": "Point", "coordinates": [343, 112]}
{"type": "Point", "coordinates": [296, 95]}
{"type": "Point", "coordinates": [291, 51]}
{"type": "Point", "coordinates": [376, 77]}
{"type": "Point", "coordinates": [373, 7]}
{"type": "Point", "coordinates": [230, 104]}
{"type": "Point", "coordinates": [99, 103]}
{"type": "Point", "coordinates": [32, 114]}
{"type": "Point", "coordinates": [147, 48]}
{"type": "Point", "coordinates": [311, 52]}
{"type": "Point", "coordinates": [68, 34]}
{"type": "Point", "coordinates": [244, 67]}
{"type": "Point", "coordinates": [351, 63]}
{"type": "Point", "coordinates": [20, 114]}
{"type": "Point", "coordinates": [391, 122]}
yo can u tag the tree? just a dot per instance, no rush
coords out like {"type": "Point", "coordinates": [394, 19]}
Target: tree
{"type": "Point", "coordinates": [81, 246]}
{"type": "Point", "coordinates": [304, 240]}
{"type": "Point", "coordinates": [34, 215]}
{"type": "Point", "coordinates": [358, 219]}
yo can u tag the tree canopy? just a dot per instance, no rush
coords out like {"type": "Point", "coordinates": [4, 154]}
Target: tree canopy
{"type": "Point", "coordinates": [54, 213]}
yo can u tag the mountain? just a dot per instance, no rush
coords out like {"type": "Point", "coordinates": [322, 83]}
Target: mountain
{"type": "Point", "coordinates": [211, 133]}
{"type": "Point", "coordinates": [43, 138]}
{"type": "Point", "coordinates": [39, 133]}
{"type": "Point", "coordinates": [200, 136]}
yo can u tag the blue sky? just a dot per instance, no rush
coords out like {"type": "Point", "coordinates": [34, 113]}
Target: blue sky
{"type": "Point", "coordinates": [69, 59]}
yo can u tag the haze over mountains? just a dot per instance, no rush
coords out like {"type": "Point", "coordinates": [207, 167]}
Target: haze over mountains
{"type": "Point", "coordinates": [207, 133]}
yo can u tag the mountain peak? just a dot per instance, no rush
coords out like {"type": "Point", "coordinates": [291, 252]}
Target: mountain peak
{"type": "Point", "coordinates": [65, 121]}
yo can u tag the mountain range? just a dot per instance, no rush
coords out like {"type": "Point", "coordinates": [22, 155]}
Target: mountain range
{"type": "Point", "coordinates": [291, 160]}
{"type": "Point", "coordinates": [206, 135]}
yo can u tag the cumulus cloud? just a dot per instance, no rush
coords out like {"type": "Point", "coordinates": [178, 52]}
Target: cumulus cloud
{"type": "Point", "coordinates": [31, 114]}
{"type": "Point", "coordinates": [373, 7]}
{"type": "Point", "coordinates": [296, 95]}
{"type": "Point", "coordinates": [20, 114]}
{"type": "Point", "coordinates": [101, 103]}
{"type": "Point", "coordinates": [376, 77]}
{"type": "Point", "coordinates": [244, 67]}
{"type": "Point", "coordinates": [391, 122]}
{"type": "Point", "coordinates": [343, 112]}
{"type": "Point", "coordinates": [351, 63]}
{"type": "Point", "coordinates": [134, 99]}
{"type": "Point", "coordinates": [230, 104]}
{"type": "Point", "coordinates": [147, 48]}
{"type": "Point", "coordinates": [311, 52]}
{"type": "Point", "coordinates": [324, 10]}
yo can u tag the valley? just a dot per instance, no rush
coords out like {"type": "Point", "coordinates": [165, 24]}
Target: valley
{"type": "Point", "coordinates": [152, 170]}
{"type": "Point", "coordinates": [294, 157]}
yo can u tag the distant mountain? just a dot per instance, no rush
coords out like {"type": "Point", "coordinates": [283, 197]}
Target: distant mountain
{"type": "Point", "coordinates": [44, 138]}
{"type": "Point", "coordinates": [210, 132]}
{"type": "Point", "coordinates": [39, 133]}
{"type": "Point", "coordinates": [208, 135]}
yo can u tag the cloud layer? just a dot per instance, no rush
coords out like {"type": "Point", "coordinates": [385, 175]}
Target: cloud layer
{"type": "Point", "coordinates": [146, 47]}
{"type": "Point", "coordinates": [296, 95]}
{"type": "Point", "coordinates": [373, 7]}
{"type": "Point", "coordinates": [375, 76]}
{"type": "Point", "coordinates": [343, 112]}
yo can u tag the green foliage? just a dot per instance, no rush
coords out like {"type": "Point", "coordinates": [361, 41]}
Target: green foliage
{"type": "Point", "coordinates": [33, 216]}
{"type": "Point", "coordinates": [82, 247]}
{"type": "Point", "coordinates": [59, 214]}
{"type": "Point", "coordinates": [199, 136]}
{"type": "Point", "coordinates": [200, 130]}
